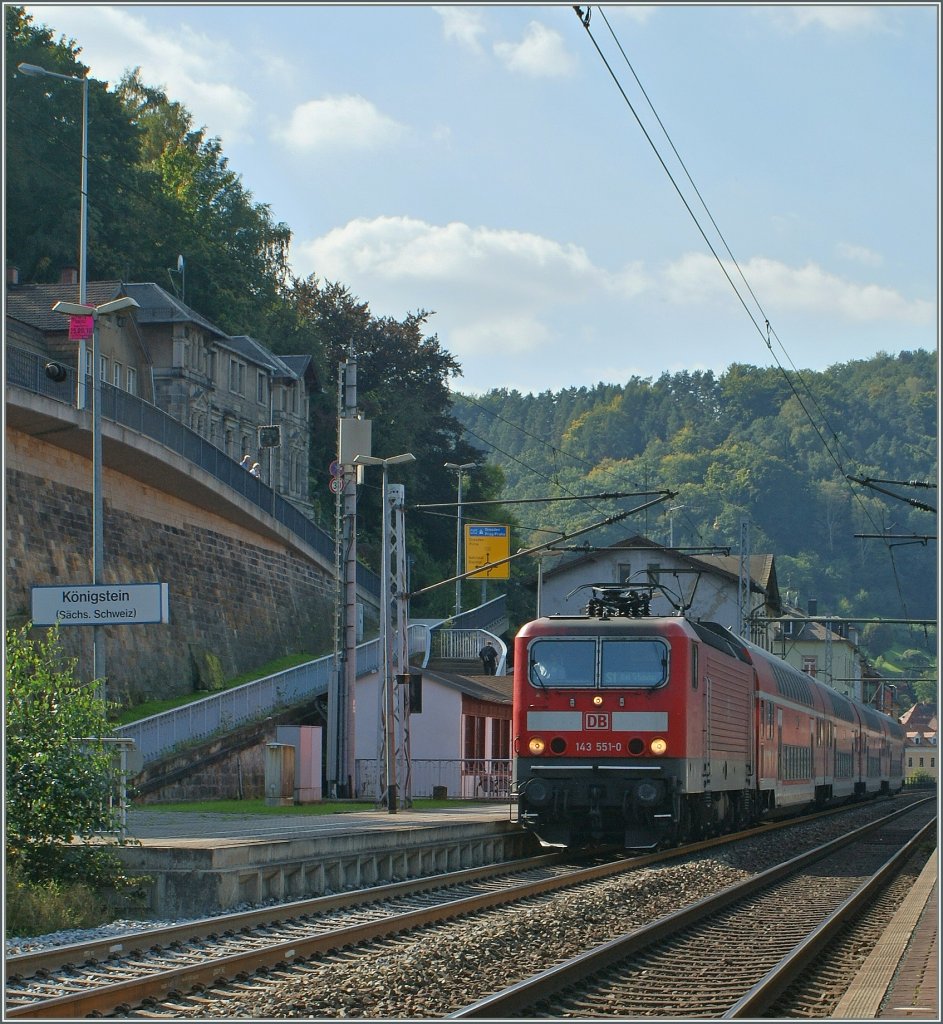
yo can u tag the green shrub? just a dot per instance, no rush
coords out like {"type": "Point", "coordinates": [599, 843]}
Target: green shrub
{"type": "Point", "coordinates": [37, 908]}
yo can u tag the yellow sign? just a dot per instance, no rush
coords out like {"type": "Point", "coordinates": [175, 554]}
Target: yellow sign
{"type": "Point", "coordinates": [486, 544]}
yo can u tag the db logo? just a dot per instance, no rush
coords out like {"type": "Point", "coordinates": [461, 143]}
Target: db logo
{"type": "Point", "coordinates": [596, 720]}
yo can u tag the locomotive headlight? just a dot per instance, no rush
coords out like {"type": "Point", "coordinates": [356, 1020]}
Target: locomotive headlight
{"type": "Point", "coordinates": [536, 745]}
{"type": "Point", "coordinates": [658, 746]}
{"type": "Point", "coordinates": [597, 700]}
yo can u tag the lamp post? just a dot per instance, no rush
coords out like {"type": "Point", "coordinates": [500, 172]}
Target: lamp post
{"type": "Point", "coordinates": [33, 70]}
{"type": "Point", "coordinates": [98, 531]}
{"type": "Point", "coordinates": [459, 470]}
{"type": "Point", "coordinates": [389, 733]}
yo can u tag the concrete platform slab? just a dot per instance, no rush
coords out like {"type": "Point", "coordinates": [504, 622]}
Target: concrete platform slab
{"type": "Point", "coordinates": [205, 864]}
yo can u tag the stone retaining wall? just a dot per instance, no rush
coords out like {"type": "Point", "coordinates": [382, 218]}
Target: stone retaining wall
{"type": "Point", "coordinates": [237, 598]}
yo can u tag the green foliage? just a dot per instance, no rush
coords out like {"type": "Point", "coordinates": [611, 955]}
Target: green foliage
{"type": "Point", "coordinates": [38, 908]}
{"type": "Point", "coordinates": [743, 444]}
{"type": "Point", "coordinates": [209, 671]}
{"type": "Point", "coordinates": [59, 773]}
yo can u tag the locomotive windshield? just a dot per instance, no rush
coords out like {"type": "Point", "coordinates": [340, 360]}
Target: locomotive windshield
{"type": "Point", "coordinates": [591, 663]}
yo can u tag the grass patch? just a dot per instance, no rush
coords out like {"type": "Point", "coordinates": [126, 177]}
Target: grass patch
{"type": "Point", "coordinates": [38, 908]}
{"type": "Point", "coordinates": [155, 707]}
{"type": "Point", "coordinates": [259, 806]}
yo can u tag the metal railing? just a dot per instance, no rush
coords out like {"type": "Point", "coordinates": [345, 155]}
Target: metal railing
{"type": "Point", "coordinates": [27, 370]}
{"type": "Point", "coordinates": [464, 645]}
{"type": "Point", "coordinates": [491, 616]}
{"type": "Point", "coordinates": [163, 733]}
{"type": "Point", "coordinates": [460, 778]}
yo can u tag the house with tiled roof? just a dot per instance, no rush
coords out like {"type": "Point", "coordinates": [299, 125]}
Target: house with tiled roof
{"type": "Point", "coordinates": [223, 387]}
{"type": "Point", "coordinates": [826, 650]}
{"type": "Point", "coordinates": [703, 586]}
{"type": "Point", "coordinates": [921, 752]}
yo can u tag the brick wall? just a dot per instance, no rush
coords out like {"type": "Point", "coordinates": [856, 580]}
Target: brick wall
{"type": "Point", "coordinates": [235, 596]}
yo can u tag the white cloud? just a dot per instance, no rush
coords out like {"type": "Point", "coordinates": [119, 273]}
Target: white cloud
{"type": "Point", "coordinates": [639, 13]}
{"type": "Point", "coordinates": [349, 122]}
{"type": "Point", "coordinates": [493, 290]}
{"type": "Point", "coordinates": [696, 278]}
{"type": "Point", "coordinates": [463, 25]}
{"type": "Point", "coordinates": [833, 17]}
{"type": "Point", "coordinates": [192, 67]}
{"type": "Point", "coordinates": [540, 54]}
{"type": "Point", "coordinates": [859, 254]}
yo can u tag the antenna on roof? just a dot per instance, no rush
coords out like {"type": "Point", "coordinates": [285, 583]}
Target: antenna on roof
{"type": "Point", "coordinates": [181, 273]}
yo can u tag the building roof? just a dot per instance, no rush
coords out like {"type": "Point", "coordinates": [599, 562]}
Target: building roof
{"type": "Point", "coordinates": [920, 718]}
{"type": "Point", "coordinates": [32, 303]}
{"type": "Point", "coordinates": [491, 688]}
{"type": "Point", "coordinates": [762, 567]}
{"type": "Point", "coordinates": [249, 348]}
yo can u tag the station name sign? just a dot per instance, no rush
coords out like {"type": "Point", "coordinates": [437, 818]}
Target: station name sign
{"type": "Point", "coordinates": [114, 604]}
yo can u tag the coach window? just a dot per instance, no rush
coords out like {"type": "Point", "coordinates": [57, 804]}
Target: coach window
{"type": "Point", "coordinates": [634, 662]}
{"type": "Point", "coordinates": [563, 663]}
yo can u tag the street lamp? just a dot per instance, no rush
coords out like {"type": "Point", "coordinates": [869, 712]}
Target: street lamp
{"type": "Point", "coordinates": [459, 470]}
{"type": "Point", "coordinates": [98, 533]}
{"type": "Point", "coordinates": [33, 70]}
{"type": "Point", "coordinates": [387, 583]}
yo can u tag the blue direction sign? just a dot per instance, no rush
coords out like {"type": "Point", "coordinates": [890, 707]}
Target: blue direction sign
{"type": "Point", "coordinates": [114, 604]}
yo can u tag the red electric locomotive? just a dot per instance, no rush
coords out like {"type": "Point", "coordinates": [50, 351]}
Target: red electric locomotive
{"type": "Point", "coordinates": [649, 730]}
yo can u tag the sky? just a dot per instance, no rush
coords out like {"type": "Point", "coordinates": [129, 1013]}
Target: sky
{"type": "Point", "coordinates": [668, 188]}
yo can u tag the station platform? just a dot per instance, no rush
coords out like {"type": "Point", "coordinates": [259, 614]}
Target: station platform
{"type": "Point", "coordinates": [200, 864]}
{"type": "Point", "coordinates": [900, 980]}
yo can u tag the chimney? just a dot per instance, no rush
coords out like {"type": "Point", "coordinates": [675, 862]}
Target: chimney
{"type": "Point", "coordinates": [69, 275]}
{"type": "Point", "coordinates": [813, 606]}
{"type": "Point", "coordinates": [13, 275]}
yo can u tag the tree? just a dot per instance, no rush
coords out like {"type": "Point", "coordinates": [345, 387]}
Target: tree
{"type": "Point", "coordinates": [58, 769]}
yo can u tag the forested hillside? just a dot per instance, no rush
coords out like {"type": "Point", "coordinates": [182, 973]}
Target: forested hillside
{"type": "Point", "coordinates": [753, 441]}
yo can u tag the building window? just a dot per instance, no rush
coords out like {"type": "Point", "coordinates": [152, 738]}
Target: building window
{"type": "Point", "coordinates": [117, 375]}
{"type": "Point", "coordinates": [933, 762]}
{"type": "Point", "coordinates": [921, 762]}
{"type": "Point", "coordinates": [623, 572]}
{"type": "Point", "coordinates": [103, 368]}
{"type": "Point", "coordinates": [910, 762]}
{"type": "Point", "coordinates": [132, 381]}
{"type": "Point", "coordinates": [810, 664]}
{"type": "Point", "coordinates": [237, 377]}
{"type": "Point", "coordinates": [260, 388]}
{"type": "Point", "coordinates": [501, 738]}
{"type": "Point", "coordinates": [474, 738]}
{"type": "Point", "coordinates": [228, 448]}
{"type": "Point", "coordinates": [653, 569]}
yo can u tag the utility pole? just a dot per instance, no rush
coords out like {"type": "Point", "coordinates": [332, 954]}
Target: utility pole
{"type": "Point", "coordinates": [743, 580]}
{"type": "Point", "coordinates": [396, 512]}
{"type": "Point", "coordinates": [352, 434]}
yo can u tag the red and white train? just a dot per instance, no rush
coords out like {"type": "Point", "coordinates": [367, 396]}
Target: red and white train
{"type": "Point", "coordinates": [656, 730]}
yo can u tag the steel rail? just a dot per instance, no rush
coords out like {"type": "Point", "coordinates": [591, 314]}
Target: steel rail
{"type": "Point", "coordinates": [769, 988]}
{"type": "Point", "coordinates": [521, 996]}
{"type": "Point", "coordinates": [109, 997]}
{"type": "Point", "coordinates": [96, 950]}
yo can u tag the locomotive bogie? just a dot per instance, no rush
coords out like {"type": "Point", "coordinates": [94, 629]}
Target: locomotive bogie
{"type": "Point", "coordinates": [652, 731]}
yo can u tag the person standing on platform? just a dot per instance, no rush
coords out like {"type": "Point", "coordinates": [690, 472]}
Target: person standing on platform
{"type": "Point", "coordinates": [489, 658]}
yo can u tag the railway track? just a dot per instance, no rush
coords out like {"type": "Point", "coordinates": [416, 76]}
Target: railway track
{"type": "Point", "coordinates": [730, 956]}
{"type": "Point", "coordinates": [167, 965]}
